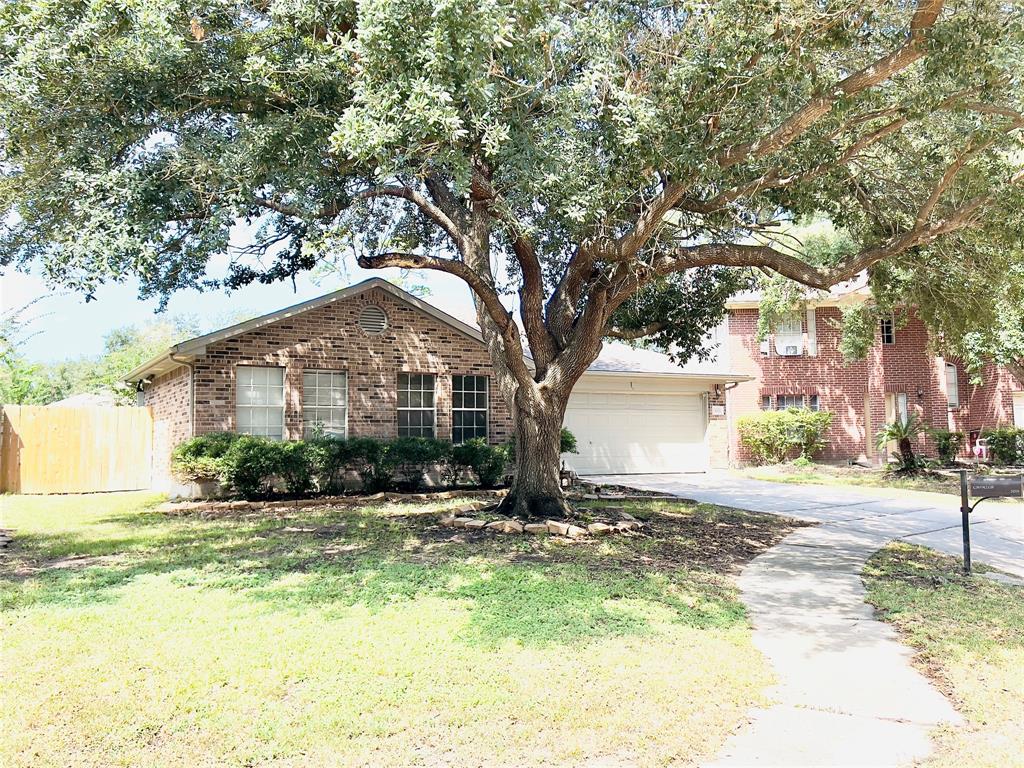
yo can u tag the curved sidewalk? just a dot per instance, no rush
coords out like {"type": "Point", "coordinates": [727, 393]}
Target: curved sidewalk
{"type": "Point", "coordinates": [847, 694]}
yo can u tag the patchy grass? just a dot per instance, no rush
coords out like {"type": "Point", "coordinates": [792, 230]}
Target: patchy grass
{"type": "Point", "coordinates": [875, 477]}
{"type": "Point", "coordinates": [369, 636]}
{"type": "Point", "coordinates": [969, 634]}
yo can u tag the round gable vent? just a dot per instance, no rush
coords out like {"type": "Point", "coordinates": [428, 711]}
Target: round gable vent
{"type": "Point", "coordinates": [373, 320]}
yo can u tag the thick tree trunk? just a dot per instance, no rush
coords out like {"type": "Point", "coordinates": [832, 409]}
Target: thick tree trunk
{"type": "Point", "coordinates": [536, 489]}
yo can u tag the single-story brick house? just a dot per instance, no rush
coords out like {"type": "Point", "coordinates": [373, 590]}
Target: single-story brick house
{"type": "Point", "coordinates": [801, 364]}
{"type": "Point", "coordinates": [374, 360]}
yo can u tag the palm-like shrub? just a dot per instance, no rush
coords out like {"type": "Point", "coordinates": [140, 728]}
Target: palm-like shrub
{"type": "Point", "coordinates": [903, 433]}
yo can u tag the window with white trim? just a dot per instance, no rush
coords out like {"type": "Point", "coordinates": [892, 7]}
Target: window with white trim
{"type": "Point", "coordinates": [888, 330]}
{"type": "Point", "coordinates": [812, 403]}
{"type": "Point", "coordinates": [469, 408]}
{"type": "Point", "coordinates": [766, 402]}
{"type": "Point", "coordinates": [952, 386]}
{"type": "Point", "coordinates": [782, 402]}
{"type": "Point", "coordinates": [259, 401]}
{"type": "Point", "coordinates": [325, 403]}
{"type": "Point", "coordinates": [789, 335]}
{"type": "Point", "coordinates": [416, 405]}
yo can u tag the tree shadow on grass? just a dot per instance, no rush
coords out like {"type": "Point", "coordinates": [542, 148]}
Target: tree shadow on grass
{"type": "Point", "coordinates": [534, 591]}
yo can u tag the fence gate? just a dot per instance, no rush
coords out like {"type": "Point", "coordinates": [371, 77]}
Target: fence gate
{"type": "Point", "coordinates": [48, 449]}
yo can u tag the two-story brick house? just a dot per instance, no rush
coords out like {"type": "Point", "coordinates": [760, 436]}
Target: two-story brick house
{"type": "Point", "coordinates": [800, 364]}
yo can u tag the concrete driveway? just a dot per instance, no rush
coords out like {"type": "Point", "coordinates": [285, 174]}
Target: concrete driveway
{"type": "Point", "coordinates": [929, 519]}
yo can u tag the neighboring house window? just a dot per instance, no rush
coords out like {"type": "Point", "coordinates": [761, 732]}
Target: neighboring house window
{"type": "Point", "coordinates": [766, 402]}
{"type": "Point", "coordinates": [952, 386]}
{"type": "Point", "coordinates": [259, 402]}
{"type": "Point", "coordinates": [782, 402]}
{"type": "Point", "coordinates": [325, 403]}
{"type": "Point", "coordinates": [469, 408]}
{"type": "Point", "coordinates": [888, 331]}
{"type": "Point", "coordinates": [812, 402]}
{"type": "Point", "coordinates": [789, 335]}
{"type": "Point", "coordinates": [415, 405]}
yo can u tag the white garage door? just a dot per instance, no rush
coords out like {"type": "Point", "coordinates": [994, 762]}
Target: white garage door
{"type": "Point", "coordinates": [1018, 409]}
{"type": "Point", "coordinates": [636, 433]}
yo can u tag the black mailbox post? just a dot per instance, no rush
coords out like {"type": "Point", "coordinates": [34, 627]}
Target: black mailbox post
{"type": "Point", "coordinates": [981, 488]}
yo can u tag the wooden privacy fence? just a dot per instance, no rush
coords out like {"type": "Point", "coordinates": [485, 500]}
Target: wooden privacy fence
{"type": "Point", "coordinates": [50, 449]}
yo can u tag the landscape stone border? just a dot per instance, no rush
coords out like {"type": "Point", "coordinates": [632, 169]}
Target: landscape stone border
{"type": "Point", "coordinates": [460, 519]}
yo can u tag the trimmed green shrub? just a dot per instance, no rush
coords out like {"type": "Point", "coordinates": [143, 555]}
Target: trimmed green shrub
{"type": "Point", "coordinates": [295, 467]}
{"type": "Point", "coordinates": [567, 442]}
{"type": "Point", "coordinates": [412, 457]}
{"type": "Point", "coordinates": [198, 459]}
{"type": "Point", "coordinates": [948, 444]}
{"type": "Point", "coordinates": [486, 461]}
{"type": "Point", "coordinates": [774, 436]}
{"type": "Point", "coordinates": [329, 459]}
{"type": "Point", "coordinates": [250, 464]}
{"type": "Point", "coordinates": [1006, 444]}
{"type": "Point", "coordinates": [369, 459]}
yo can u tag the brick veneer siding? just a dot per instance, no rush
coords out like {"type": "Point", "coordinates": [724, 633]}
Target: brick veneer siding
{"type": "Point", "coordinates": [988, 404]}
{"type": "Point", "coordinates": [329, 338]}
{"type": "Point", "coordinates": [849, 390]}
{"type": "Point", "coordinates": [169, 398]}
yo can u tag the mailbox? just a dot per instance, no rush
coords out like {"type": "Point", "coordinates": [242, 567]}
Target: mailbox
{"type": "Point", "coordinates": [997, 486]}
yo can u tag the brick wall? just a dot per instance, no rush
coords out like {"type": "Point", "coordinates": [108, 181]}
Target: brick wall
{"type": "Point", "coordinates": [988, 404]}
{"type": "Point", "coordinates": [329, 338]}
{"type": "Point", "coordinates": [169, 397]}
{"type": "Point", "coordinates": [855, 393]}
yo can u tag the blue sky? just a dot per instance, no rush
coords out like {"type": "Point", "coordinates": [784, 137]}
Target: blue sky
{"type": "Point", "coordinates": [65, 326]}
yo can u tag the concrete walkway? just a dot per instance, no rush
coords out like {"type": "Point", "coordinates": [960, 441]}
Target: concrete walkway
{"type": "Point", "coordinates": [847, 695]}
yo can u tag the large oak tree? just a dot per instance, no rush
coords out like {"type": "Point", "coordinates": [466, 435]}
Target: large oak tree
{"type": "Point", "coordinates": [611, 166]}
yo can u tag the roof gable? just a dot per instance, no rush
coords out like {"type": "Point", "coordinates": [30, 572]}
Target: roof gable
{"type": "Point", "coordinates": [180, 353]}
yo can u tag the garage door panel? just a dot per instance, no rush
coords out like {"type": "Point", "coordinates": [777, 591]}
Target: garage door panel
{"type": "Point", "coordinates": [634, 433]}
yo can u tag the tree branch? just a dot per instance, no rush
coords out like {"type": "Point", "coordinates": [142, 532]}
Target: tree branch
{"type": "Point", "coordinates": [430, 210]}
{"type": "Point", "coordinates": [796, 125]}
{"type": "Point", "coordinates": [632, 334]}
{"type": "Point", "coordinates": [488, 295]}
{"type": "Point", "coordinates": [927, 12]}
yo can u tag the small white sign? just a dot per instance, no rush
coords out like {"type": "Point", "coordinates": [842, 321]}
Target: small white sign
{"type": "Point", "coordinates": [718, 410]}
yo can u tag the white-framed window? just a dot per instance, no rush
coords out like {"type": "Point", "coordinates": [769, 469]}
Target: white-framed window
{"type": "Point", "coordinates": [812, 403]}
{"type": "Point", "coordinates": [325, 403]}
{"type": "Point", "coordinates": [469, 408]}
{"type": "Point", "coordinates": [766, 402]}
{"type": "Point", "coordinates": [952, 386]}
{"type": "Point", "coordinates": [782, 402]}
{"type": "Point", "coordinates": [259, 401]}
{"type": "Point", "coordinates": [789, 335]}
{"type": "Point", "coordinates": [888, 330]}
{"type": "Point", "coordinates": [416, 405]}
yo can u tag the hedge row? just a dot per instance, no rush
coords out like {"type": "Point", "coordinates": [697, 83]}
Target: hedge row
{"type": "Point", "coordinates": [254, 467]}
{"type": "Point", "coordinates": [774, 436]}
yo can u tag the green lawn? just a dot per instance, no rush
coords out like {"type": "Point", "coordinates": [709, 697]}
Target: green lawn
{"type": "Point", "coordinates": [368, 636]}
{"type": "Point", "coordinates": [969, 633]}
{"type": "Point", "coordinates": [875, 477]}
